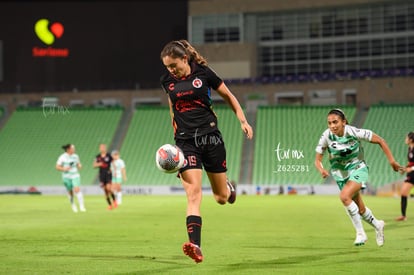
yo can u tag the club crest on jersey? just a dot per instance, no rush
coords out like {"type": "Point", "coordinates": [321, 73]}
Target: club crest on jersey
{"type": "Point", "coordinates": [197, 83]}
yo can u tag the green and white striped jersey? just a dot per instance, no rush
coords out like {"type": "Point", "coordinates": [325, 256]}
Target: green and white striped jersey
{"type": "Point", "coordinates": [116, 168]}
{"type": "Point", "coordinates": [66, 160]}
{"type": "Point", "coordinates": [346, 152]}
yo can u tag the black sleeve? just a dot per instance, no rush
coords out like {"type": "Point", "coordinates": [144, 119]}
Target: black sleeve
{"type": "Point", "coordinates": [163, 80]}
{"type": "Point", "coordinates": [214, 80]}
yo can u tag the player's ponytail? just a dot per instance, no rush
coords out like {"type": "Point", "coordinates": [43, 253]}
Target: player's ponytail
{"type": "Point", "coordinates": [193, 53]}
{"type": "Point", "coordinates": [180, 48]}
{"type": "Point", "coordinates": [66, 146]}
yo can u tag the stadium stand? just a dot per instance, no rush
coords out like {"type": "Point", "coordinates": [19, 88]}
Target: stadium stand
{"type": "Point", "coordinates": [285, 142]}
{"type": "Point", "coordinates": [44, 131]}
{"type": "Point", "coordinates": [151, 127]}
{"type": "Point", "coordinates": [392, 122]}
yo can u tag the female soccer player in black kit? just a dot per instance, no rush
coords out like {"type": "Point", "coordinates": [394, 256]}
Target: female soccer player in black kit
{"type": "Point", "coordinates": [409, 180]}
{"type": "Point", "coordinates": [188, 84]}
{"type": "Point", "coordinates": [103, 161]}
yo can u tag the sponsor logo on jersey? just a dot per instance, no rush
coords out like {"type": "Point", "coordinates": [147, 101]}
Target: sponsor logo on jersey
{"type": "Point", "coordinates": [171, 87]}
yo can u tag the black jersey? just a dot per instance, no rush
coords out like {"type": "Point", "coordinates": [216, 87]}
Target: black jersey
{"type": "Point", "coordinates": [191, 101]}
{"type": "Point", "coordinates": [410, 174]}
{"type": "Point", "coordinates": [106, 162]}
{"type": "Point", "coordinates": [410, 156]}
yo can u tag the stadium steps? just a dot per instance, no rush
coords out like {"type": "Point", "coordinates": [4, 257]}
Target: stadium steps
{"type": "Point", "coordinates": [150, 127]}
{"type": "Point", "coordinates": [122, 129]}
{"type": "Point", "coordinates": [119, 135]}
{"type": "Point", "coordinates": [248, 152]}
{"type": "Point", "coordinates": [360, 116]}
{"type": "Point", "coordinates": [4, 116]}
{"type": "Point", "coordinates": [234, 139]}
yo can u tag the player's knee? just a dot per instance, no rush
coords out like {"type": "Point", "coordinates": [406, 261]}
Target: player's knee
{"type": "Point", "coordinates": [345, 199]}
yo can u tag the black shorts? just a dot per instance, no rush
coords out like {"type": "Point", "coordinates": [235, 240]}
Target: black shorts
{"type": "Point", "coordinates": [206, 151]}
{"type": "Point", "coordinates": [410, 178]}
{"type": "Point", "coordinates": [105, 177]}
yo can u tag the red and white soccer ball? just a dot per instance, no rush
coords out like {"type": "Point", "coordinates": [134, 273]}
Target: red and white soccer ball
{"type": "Point", "coordinates": [169, 158]}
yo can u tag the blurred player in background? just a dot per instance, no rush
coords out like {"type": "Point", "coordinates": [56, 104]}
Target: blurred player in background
{"type": "Point", "coordinates": [69, 164]}
{"type": "Point", "coordinates": [409, 180]}
{"type": "Point", "coordinates": [349, 169]}
{"type": "Point", "coordinates": [118, 175]}
{"type": "Point", "coordinates": [188, 84]}
{"type": "Point", "coordinates": [103, 161]}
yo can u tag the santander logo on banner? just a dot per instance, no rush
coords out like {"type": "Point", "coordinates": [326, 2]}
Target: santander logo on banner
{"type": "Point", "coordinates": [48, 33]}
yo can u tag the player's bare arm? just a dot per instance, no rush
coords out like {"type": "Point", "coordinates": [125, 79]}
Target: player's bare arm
{"type": "Point", "coordinates": [319, 166]}
{"type": "Point", "coordinates": [230, 99]}
{"type": "Point", "coordinates": [384, 146]}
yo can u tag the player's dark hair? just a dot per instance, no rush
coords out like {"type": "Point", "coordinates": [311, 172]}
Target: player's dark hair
{"type": "Point", "coordinates": [339, 113]}
{"type": "Point", "coordinates": [410, 135]}
{"type": "Point", "coordinates": [180, 48]}
{"type": "Point", "coordinates": [66, 146]}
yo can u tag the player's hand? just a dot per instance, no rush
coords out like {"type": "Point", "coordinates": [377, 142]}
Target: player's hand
{"type": "Point", "coordinates": [396, 166]}
{"type": "Point", "coordinates": [247, 129]}
{"type": "Point", "coordinates": [404, 170]}
{"type": "Point", "coordinates": [324, 173]}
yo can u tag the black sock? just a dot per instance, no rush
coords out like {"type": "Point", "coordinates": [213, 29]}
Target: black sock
{"type": "Point", "coordinates": [403, 205]}
{"type": "Point", "coordinates": [194, 229]}
{"type": "Point", "coordinates": [113, 196]}
{"type": "Point", "coordinates": [108, 200]}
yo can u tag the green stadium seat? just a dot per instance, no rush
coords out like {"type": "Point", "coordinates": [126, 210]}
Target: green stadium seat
{"type": "Point", "coordinates": [284, 143]}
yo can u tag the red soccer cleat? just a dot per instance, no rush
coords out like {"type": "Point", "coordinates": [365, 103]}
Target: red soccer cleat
{"type": "Point", "coordinates": [401, 219]}
{"type": "Point", "coordinates": [193, 251]}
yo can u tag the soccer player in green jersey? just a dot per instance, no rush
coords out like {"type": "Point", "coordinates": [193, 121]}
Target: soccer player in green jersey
{"type": "Point", "coordinates": [118, 175]}
{"type": "Point", "coordinates": [348, 168]}
{"type": "Point", "coordinates": [69, 164]}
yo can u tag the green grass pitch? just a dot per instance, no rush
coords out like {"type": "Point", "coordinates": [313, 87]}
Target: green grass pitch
{"type": "Point", "coordinates": [256, 235]}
